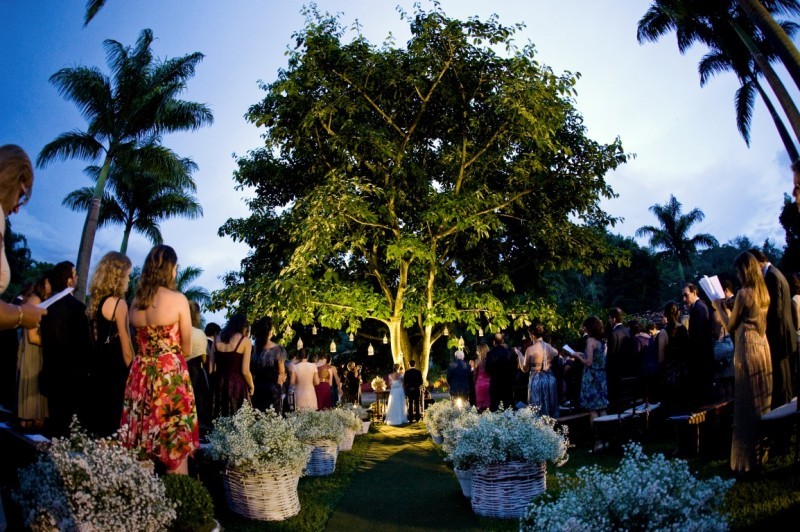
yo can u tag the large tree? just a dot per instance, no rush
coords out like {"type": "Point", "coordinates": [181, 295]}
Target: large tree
{"type": "Point", "coordinates": [413, 185]}
{"type": "Point", "coordinates": [127, 110]}
{"type": "Point", "coordinates": [138, 199]}
{"type": "Point", "coordinates": [672, 237]}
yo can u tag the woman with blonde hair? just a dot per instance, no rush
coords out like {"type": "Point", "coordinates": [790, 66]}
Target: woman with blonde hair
{"type": "Point", "coordinates": [482, 398]}
{"type": "Point", "coordinates": [16, 186]}
{"type": "Point", "coordinates": [108, 315]}
{"type": "Point", "coordinates": [159, 412]}
{"type": "Point", "coordinates": [751, 360]}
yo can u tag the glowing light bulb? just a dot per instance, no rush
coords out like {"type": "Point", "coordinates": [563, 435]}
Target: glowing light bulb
{"type": "Point", "coordinates": [333, 346]}
{"type": "Point", "coordinates": [370, 350]}
{"type": "Point", "coordinates": [351, 337]}
{"type": "Point", "coordinates": [313, 330]}
{"type": "Point", "coordinates": [299, 344]}
{"type": "Point", "coordinates": [461, 342]}
{"type": "Point", "coordinates": [446, 331]}
{"type": "Point", "coordinates": [385, 339]}
{"type": "Point", "coordinates": [480, 331]}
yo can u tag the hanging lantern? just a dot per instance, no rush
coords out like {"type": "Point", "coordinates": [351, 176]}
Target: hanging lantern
{"type": "Point", "coordinates": [288, 331]}
{"type": "Point", "coordinates": [313, 330]}
{"type": "Point", "coordinates": [333, 346]}
{"type": "Point", "coordinates": [370, 350]}
{"type": "Point", "coordinates": [299, 344]}
{"type": "Point", "coordinates": [446, 331]}
{"type": "Point", "coordinates": [461, 342]}
{"type": "Point", "coordinates": [351, 337]}
{"type": "Point", "coordinates": [385, 339]}
{"type": "Point", "coordinates": [480, 331]}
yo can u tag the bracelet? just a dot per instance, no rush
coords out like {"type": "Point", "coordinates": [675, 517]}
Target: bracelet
{"type": "Point", "coordinates": [19, 321]}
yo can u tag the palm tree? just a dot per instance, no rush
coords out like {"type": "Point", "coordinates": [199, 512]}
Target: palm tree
{"type": "Point", "coordinates": [92, 7]}
{"type": "Point", "coordinates": [724, 29]}
{"type": "Point", "coordinates": [124, 112]}
{"type": "Point", "coordinates": [673, 235]}
{"type": "Point", "coordinates": [139, 200]}
{"type": "Point", "coordinates": [186, 276]}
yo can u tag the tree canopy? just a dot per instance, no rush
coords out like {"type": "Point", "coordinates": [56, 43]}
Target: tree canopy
{"type": "Point", "coordinates": [423, 186]}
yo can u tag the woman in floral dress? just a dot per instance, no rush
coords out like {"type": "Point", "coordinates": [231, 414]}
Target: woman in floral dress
{"type": "Point", "coordinates": [594, 387]}
{"type": "Point", "coordinates": [159, 416]}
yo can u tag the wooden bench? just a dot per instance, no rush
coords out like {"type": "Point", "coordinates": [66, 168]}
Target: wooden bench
{"type": "Point", "coordinates": [691, 423]}
{"type": "Point", "coordinates": [777, 426]}
{"type": "Point", "coordinates": [578, 425]}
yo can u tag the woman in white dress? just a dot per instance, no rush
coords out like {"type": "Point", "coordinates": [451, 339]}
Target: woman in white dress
{"type": "Point", "coordinates": [397, 411]}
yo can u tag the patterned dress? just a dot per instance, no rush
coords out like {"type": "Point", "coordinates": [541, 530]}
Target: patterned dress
{"type": "Point", "coordinates": [159, 409]}
{"type": "Point", "coordinates": [594, 388]}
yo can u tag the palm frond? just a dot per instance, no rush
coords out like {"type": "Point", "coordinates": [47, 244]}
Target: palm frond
{"type": "Point", "coordinates": [69, 145]}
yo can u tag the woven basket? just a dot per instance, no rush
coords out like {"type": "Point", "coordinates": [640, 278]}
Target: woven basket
{"type": "Point", "coordinates": [438, 440]}
{"type": "Point", "coordinates": [364, 427]}
{"type": "Point", "coordinates": [465, 479]}
{"type": "Point", "coordinates": [267, 496]}
{"type": "Point", "coordinates": [323, 458]}
{"type": "Point", "coordinates": [505, 490]}
{"type": "Point", "coordinates": [347, 444]}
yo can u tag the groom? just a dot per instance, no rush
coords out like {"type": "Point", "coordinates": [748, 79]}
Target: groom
{"type": "Point", "coordinates": [412, 383]}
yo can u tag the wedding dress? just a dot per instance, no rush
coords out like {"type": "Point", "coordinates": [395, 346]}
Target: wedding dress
{"type": "Point", "coordinates": [397, 412]}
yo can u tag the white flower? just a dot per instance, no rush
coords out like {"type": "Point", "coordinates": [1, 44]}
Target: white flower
{"type": "Point", "coordinates": [257, 441]}
{"type": "Point", "coordinates": [652, 492]}
{"type": "Point", "coordinates": [316, 425]}
{"type": "Point", "coordinates": [85, 484]}
{"type": "Point", "coordinates": [348, 417]}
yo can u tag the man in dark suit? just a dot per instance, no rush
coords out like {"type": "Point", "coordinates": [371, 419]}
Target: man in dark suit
{"type": "Point", "coordinates": [618, 353]}
{"type": "Point", "coordinates": [66, 354]}
{"type": "Point", "coordinates": [780, 330]}
{"type": "Point", "coordinates": [458, 377]}
{"type": "Point", "coordinates": [701, 348]}
{"type": "Point", "coordinates": [412, 384]}
{"type": "Point", "coordinates": [501, 366]}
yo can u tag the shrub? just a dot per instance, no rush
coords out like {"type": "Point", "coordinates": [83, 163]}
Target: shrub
{"type": "Point", "coordinates": [194, 507]}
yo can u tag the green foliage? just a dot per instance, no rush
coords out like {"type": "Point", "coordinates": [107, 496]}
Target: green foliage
{"type": "Point", "coordinates": [423, 186]}
{"type": "Point", "coordinates": [194, 507]}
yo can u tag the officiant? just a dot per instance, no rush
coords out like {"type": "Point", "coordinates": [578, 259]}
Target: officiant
{"type": "Point", "coordinates": [701, 348]}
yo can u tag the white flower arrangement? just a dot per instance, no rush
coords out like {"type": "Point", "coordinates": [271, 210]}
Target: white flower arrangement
{"type": "Point", "coordinates": [348, 417]}
{"type": "Point", "coordinates": [467, 417]}
{"type": "Point", "coordinates": [315, 425]}
{"type": "Point", "coordinates": [378, 384]}
{"type": "Point", "coordinates": [257, 441]}
{"type": "Point", "coordinates": [510, 436]}
{"type": "Point", "coordinates": [85, 484]}
{"type": "Point", "coordinates": [653, 492]}
{"type": "Point", "coordinates": [440, 415]}
{"type": "Point", "coordinates": [358, 410]}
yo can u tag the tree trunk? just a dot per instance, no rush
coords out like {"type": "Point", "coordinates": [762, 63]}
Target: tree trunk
{"type": "Point", "coordinates": [786, 137]}
{"type": "Point", "coordinates": [89, 232]}
{"type": "Point", "coordinates": [123, 248]}
{"type": "Point", "coordinates": [775, 35]}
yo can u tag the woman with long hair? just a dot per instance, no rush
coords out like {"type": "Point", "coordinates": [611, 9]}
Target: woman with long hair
{"type": "Point", "coordinates": [268, 367]}
{"type": "Point", "coordinates": [108, 316]}
{"type": "Point", "coordinates": [752, 395]}
{"type": "Point", "coordinates": [230, 354]}
{"type": "Point", "coordinates": [159, 412]}
{"type": "Point", "coordinates": [539, 356]}
{"type": "Point", "coordinates": [594, 387]}
{"type": "Point", "coordinates": [31, 403]}
{"type": "Point", "coordinates": [482, 397]}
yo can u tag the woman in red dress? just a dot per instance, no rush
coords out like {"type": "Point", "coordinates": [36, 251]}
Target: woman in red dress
{"type": "Point", "coordinates": [159, 417]}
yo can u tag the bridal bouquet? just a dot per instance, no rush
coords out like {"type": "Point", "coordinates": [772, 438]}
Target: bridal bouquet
{"type": "Point", "coordinates": [257, 441]}
{"type": "Point", "coordinates": [653, 492]}
{"type": "Point", "coordinates": [85, 484]}
{"type": "Point", "coordinates": [510, 436]}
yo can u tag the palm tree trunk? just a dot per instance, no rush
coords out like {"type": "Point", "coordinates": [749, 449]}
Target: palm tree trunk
{"type": "Point", "coordinates": [123, 248]}
{"type": "Point", "coordinates": [775, 83]}
{"type": "Point", "coordinates": [786, 137]}
{"type": "Point", "coordinates": [775, 35]}
{"type": "Point", "coordinates": [89, 232]}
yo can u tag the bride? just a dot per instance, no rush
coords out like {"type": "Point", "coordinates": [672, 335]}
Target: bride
{"type": "Point", "coordinates": [396, 412]}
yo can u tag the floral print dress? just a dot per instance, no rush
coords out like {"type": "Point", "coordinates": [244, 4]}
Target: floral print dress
{"type": "Point", "coordinates": [159, 416]}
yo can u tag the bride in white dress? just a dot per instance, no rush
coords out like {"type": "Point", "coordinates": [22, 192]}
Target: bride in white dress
{"type": "Point", "coordinates": [396, 412]}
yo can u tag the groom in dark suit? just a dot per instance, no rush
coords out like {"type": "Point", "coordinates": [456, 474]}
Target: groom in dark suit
{"type": "Point", "coordinates": [412, 383]}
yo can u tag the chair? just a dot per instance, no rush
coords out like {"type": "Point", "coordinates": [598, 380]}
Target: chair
{"type": "Point", "coordinates": [628, 417]}
{"type": "Point", "coordinates": [778, 425]}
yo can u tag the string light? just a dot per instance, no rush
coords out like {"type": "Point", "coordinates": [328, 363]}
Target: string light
{"type": "Point", "coordinates": [333, 346]}
{"type": "Point", "coordinates": [351, 337]}
{"type": "Point", "coordinates": [385, 340]}
{"type": "Point", "coordinates": [313, 330]}
{"type": "Point", "coordinates": [446, 331]}
{"type": "Point", "coordinates": [299, 344]}
{"type": "Point", "coordinates": [480, 331]}
{"type": "Point", "coordinates": [461, 342]}
{"type": "Point", "coordinates": [370, 350]}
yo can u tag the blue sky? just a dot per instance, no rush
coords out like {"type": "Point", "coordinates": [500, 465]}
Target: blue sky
{"type": "Point", "coordinates": [684, 137]}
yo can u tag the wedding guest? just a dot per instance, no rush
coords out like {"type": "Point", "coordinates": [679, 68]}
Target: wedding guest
{"type": "Point", "coordinates": [594, 388]}
{"type": "Point", "coordinates": [618, 353]}
{"type": "Point", "coordinates": [700, 358]}
{"type": "Point", "coordinates": [752, 361]}
{"type": "Point", "coordinates": [159, 411]}
{"type": "Point", "coordinates": [672, 341]}
{"type": "Point", "coordinates": [538, 361]}
{"type": "Point", "coordinates": [268, 366]}
{"type": "Point", "coordinates": [458, 377]}
{"type": "Point", "coordinates": [196, 363]}
{"type": "Point", "coordinates": [108, 314]}
{"type": "Point", "coordinates": [330, 375]}
{"type": "Point", "coordinates": [66, 354]}
{"type": "Point", "coordinates": [304, 379]}
{"type": "Point", "coordinates": [16, 187]}
{"type": "Point", "coordinates": [231, 360]}
{"type": "Point", "coordinates": [723, 357]}
{"type": "Point", "coordinates": [482, 396]}
{"type": "Point", "coordinates": [501, 366]}
{"type": "Point", "coordinates": [31, 404]}
{"type": "Point", "coordinates": [780, 329]}
{"type": "Point", "coordinates": [412, 385]}
{"type": "Point", "coordinates": [352, 381]}
{"type": "Point", "coordinates": [211, 331]}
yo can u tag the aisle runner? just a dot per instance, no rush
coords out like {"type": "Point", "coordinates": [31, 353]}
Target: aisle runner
{"type": "Point", "coordinates": [403, 485]}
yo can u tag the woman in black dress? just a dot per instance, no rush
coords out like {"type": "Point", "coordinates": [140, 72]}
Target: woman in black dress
{"type": "Point", "coordinates": [268, 367]}
{"type": "Point", "coordinates": [231, 361]}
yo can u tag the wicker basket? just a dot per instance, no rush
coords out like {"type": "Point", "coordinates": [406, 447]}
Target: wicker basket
{"type": "Point", "coordinates": [465, 479]}
{"type": "Point", "coordinates": [267, 496]}
{"type": "Point", "coordinates": [438, 440]}
{"type": "Point", "coordinates": [505, 490]}
{"type": "Point", "coordinates": [364, 426]}
{"type": "Point", "coordinates": [347, 444]}
{"type": "Point", "coordinates": [323, 458]}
